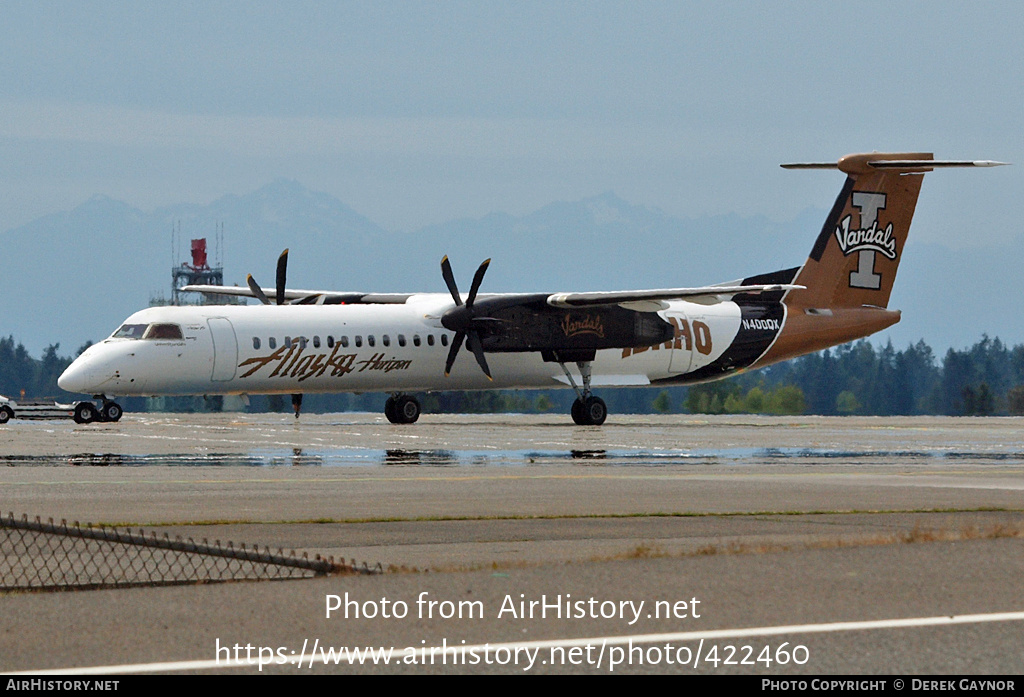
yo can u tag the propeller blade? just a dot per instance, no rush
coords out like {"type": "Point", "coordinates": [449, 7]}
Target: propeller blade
{"type": "Point", "coordinates": [308, 300]}
{"type": "Point", "coordinates": [453, 352]}
{"type": "Point", "coordinates": [256, 290]}
{"type": "Point", "coordinates": [478, 277]}
{"type": "Point", "coordinates": [449, 279]}
{"type": "Point", "coordinates": [282, 269]}
{"type": "Point", "coordinates": [478, 350]}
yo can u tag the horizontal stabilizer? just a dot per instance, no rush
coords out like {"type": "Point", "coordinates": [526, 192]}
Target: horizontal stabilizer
{"type": "Point", "coordinates": [917, 165]}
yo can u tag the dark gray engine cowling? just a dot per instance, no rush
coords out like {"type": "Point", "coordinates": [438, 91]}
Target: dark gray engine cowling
{"type": "Point", "coordinates": [530, 324]}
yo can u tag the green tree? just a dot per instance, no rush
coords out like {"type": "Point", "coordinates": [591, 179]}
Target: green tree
{"type": "Point", "coordinates": [1015, 400]}
{"type": "Point", "coordinates": [846, 403]}
{"type": "Point", "coordinates": [786, 400]}
{"type": "Point", "coordinates": [662, 403]}
{"type": "Point", "coordinates": [756, 402]}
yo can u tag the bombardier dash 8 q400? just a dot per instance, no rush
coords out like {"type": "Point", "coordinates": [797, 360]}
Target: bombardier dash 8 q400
{"type": "Point", "coordinates": [305, 341]}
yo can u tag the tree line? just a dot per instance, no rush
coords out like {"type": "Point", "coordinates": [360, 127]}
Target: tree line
{"type": "Point", "coordinates": [860, 378]}
{"type": "Point", "coordinates": [855, 378]}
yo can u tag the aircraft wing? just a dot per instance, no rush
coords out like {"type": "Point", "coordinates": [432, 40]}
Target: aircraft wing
{"type": "Point", "coordinates": [316, 297]}
{"type": "Point", "coordinates": [640, 300]}
{"type": "Point", "coordinates": [653, 300]}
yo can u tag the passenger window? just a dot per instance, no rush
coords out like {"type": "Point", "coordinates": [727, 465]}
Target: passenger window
{"type": "Point", "coordinates": [359, 341]}
{"type": "Point", "coordinates": [386, 340]}
{"type": "Point", "coordinates": [415, 339]}
{"type": "Point", "coordinates": [288, 342]}
{"type": "Point", "coordinates": [370, 340]}
{"type": "Point", "coordinates": [316, 342]}
{"type": "Point", "coordinates": [401, 339]}
{"type": "Point", "coordinates": [163, 331]}
{"type": "Point", "coordinates": [330, 342]}
{"type": "Point", "coordinates": [256, 343]}
{"type": "Point", "coordinates": [444, 339]}
{"type": "Point", "coordinates": [273, 342]}
{"type": "Point", "coordinates": [430, 339]}
{"type": "Point", "coordinates": [344, 342]}
{"type": "Point", "coordinates": [302, 342]}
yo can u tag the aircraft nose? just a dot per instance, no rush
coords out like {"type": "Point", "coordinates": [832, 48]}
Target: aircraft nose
{"type": "Point", "coordinates": [74, 378]}
{"type": "Point", "coordinates": [87, 374]}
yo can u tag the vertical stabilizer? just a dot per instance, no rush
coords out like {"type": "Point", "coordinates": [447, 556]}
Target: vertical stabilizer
{"type": "Point", "coordinates": [854, 260]}
{"type": "Point", "coordinates": [848, 277]}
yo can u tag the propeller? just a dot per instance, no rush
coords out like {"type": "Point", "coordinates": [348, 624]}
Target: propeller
{"type": "Point", "coordinates": [462, 318]}
{"type": "Point", "coordinates": [282, 273]}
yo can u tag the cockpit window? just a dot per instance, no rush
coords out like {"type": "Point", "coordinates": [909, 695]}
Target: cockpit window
{"type": "Point", "coordinates": [149, 331]}
{"type": "Point", "coordinates": [130, 331]}
{"type": "Point", "coordinates": [163, 331]}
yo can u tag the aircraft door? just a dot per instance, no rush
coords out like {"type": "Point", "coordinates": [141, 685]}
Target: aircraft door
{"type": "Point", "coordinates": [682, 342]}
{"type": "Point", "coordinates": [225, 349]}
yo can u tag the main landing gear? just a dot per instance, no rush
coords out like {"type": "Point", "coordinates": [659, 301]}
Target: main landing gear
{"type": "Point", "coordinates": [587, 410]}
{"type": "Point", "coordinates": [87, 412]}
{"type": "Point", "coordinates": [402, 409]}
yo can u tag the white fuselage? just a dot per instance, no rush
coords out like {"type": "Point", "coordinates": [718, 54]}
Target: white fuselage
{"type": "Point", "coordinates": [267, 349]}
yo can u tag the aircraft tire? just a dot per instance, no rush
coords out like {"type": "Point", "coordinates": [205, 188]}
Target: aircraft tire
{"type": "Point", "coordinates": [596, 411]}
{"type": "Point", "coordinates": [111, 411]}
{"type": "Point", "coordinates": [577, 412]}
{"type": "Point", "coordinates": [590, 412]}
{"type": "Point", "coordinates": [85, 413]}
{"type": "Point", "coordinates": [389, 410]}
{"type": "Point", "coordinates": [6, 414]}
{"type": "Point", "coordinates": [407, 409]}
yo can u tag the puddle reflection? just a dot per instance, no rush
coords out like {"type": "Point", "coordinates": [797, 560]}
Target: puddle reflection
{"type": "Point", "coordinates": [402, 457]}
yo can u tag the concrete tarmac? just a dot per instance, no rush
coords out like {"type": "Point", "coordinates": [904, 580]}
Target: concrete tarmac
{"type": "Point", "coordinates": [768, 522]}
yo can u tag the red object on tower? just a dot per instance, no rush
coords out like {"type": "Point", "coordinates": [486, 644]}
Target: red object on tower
{"type": "Point", "coordinates": [199, 254]}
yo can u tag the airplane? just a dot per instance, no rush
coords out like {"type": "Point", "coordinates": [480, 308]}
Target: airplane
{"type": "Point", "coordinates": [310, 341]}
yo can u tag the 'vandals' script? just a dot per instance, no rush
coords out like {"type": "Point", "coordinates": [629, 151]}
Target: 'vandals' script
{"type": "Point", "coordinates": [591, 324]}
{"type": "Point", "coordinates": [871, 238]}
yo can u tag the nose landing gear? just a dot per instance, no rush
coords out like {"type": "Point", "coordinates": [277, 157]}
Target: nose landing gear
{"type": "Point", "coordinates": [87, 412]}
{"type": "Point", "coordinates": [111, 411]}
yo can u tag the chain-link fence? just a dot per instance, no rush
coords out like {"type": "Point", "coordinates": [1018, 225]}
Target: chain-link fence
{"type": "Point", "coordinates": [46, 556]}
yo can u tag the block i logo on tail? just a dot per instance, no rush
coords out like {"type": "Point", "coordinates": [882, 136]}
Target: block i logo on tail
{"type": "Point", "coordinates": [867, 241]}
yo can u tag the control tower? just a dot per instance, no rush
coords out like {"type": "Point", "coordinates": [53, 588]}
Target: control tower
{"type": "Point", "coordinates": [198, 272]}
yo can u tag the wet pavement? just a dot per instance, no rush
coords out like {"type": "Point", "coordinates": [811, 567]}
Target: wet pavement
{"type": "Point", "coordinates": [770, 520]}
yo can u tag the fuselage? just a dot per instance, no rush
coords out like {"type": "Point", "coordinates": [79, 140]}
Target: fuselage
{"type": "Point", "coordinates": [267, 349]}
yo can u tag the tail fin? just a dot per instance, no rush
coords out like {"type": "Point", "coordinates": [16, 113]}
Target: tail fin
{"type": "Point", "coordinates": [848, 277]}
{"type": "Point", "coordinates": [854, 260]}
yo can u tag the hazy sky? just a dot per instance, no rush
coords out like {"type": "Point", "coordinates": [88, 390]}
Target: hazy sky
{"type": "Point", "coordinates": [415, 113]}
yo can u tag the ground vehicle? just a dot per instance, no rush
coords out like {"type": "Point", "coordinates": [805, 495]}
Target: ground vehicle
{"type": "Point", "coordinates": [81, 412]}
